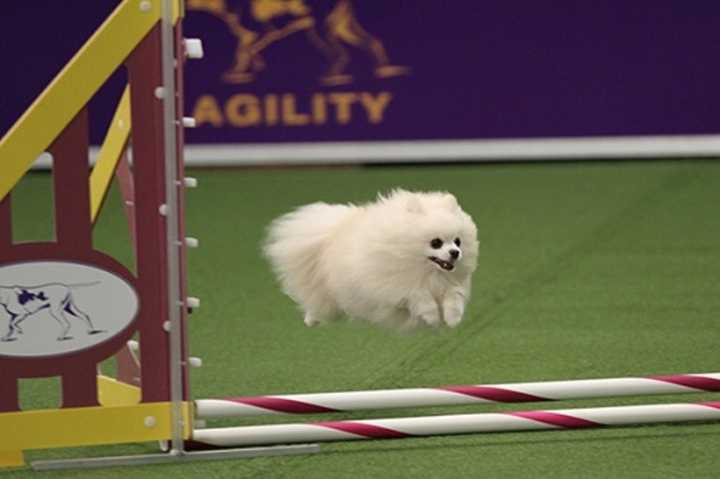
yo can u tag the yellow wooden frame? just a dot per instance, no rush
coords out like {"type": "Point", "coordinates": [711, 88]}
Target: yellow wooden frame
{"type": "Point", "coordinates": [73, 87]}
{"type": "Point", "coordinates": [85, 426]}
{"type": "Point", "coordinates": [112, 392]}
{"type": "Point", "coordinates": [116, 140]}
{"type": "Point", "coordinates": [122, 418]}
{"type": "Point", "coordinates": [110, 152]}
{"type": "Point", "coordinates": [12, 459]}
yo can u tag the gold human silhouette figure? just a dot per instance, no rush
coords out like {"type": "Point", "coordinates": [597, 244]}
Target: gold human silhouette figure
{"type": "Point", "coordinates": [330, 26]}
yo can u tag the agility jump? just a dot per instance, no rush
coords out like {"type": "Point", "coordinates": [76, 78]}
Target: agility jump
{"type": "Point", "coordinates": [298, 404]}
{"type": "Point", "coordinates": [150, 399]}
{"type": "Point", "coordinates": [146, 37]}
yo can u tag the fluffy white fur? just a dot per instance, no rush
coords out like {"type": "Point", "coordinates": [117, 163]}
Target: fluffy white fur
{"type": "Point", "coordinates": [373, 262]}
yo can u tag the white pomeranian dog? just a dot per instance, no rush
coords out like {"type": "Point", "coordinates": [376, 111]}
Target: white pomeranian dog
{"type": "Point", "coordinates": [404, 261]}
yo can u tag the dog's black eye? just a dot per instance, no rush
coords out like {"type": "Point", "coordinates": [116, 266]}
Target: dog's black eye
{"type": "Point", "coordinates": [457, 241]}
{"type": "Point", "coordinates": [436, 243]}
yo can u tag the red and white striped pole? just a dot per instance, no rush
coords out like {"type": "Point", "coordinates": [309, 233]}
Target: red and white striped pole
{"type": "Point", "coordinates": [457, 424]}
{"type": "Point", "coordinates": [456, 395]}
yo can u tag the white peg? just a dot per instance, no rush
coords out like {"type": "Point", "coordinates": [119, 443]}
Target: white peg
{"type": "Point", "coordinates": [190, 182]}
{"type": "Point", "coordinates": [133, 345]}
{"type": "Point", "coordinates": [189, 122]}
{"type": "Point", "coordinates": [192, 302]}
{"type": "Point", "coordinates": [193, 48]}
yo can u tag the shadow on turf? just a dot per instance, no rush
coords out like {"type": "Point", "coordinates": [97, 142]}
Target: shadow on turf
{"type": "Point", "coordinates": [526, 442]}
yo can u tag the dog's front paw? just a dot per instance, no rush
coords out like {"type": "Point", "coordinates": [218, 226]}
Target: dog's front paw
{"type": "Point", "coordinates": [426, 314]}
{"type": "Point", "coordinates": [424, 310]}
{"type": "Point", "coordinates": [453, 319]}
{"type": "Point", "coordinates": [431, 319]}
{"type": "Point", "coordinates": [453, 310]}
{"type": "Point", "coordinates": [311, 320]}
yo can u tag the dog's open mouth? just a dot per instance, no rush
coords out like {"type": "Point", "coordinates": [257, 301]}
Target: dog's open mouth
{"type": "Point", "coordinates": [446, 265]}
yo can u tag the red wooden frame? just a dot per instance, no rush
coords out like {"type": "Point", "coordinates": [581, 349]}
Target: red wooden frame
{"type": "Point", "coordinates": [73, 243]}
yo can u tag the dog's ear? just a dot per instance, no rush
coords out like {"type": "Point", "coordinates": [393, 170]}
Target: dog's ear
{"type": "Point", "coordinates": [414, 205]}
{"type": "Point", "coordinates": [450, 202]}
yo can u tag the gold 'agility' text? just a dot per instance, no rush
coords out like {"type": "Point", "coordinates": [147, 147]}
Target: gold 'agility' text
{"type": "Point", "coordinates": [245, 110]}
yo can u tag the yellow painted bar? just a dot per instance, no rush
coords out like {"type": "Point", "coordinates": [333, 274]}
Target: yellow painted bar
{"type": "Point", "coordinates": [11, 459]}
{"type": "Point", "coordinates": [178, 11]}
{"type": "Point", "coordinates": [112, 392]}
{"type": "Point", "coordinates": [110, 152]}
{"type": "Point", "coordinates": [116, 140]}
{"type": "Point", "coordinates": [73, 87]}
{"type": "Point", "coordinates": [86, 426]}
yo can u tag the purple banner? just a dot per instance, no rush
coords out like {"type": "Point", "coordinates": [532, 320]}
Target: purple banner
{"type": "Point", "coordinates": [278, 71]}
{"type": "Point", "coordinates": [318, 70]}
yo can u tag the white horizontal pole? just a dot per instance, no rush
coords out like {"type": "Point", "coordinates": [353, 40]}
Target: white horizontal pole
{"type": "Point", "coordinates": [457, 424]}
{"type": "Point", "coordinates": [522, 149]}
{"type": "Point", "coordinates": [456, 395]}
{"type": "Point", "coordinates": [419, 151]}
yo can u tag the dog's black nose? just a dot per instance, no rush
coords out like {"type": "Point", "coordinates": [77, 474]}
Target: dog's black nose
{"type": "Point", "coordinates": [454, 253]}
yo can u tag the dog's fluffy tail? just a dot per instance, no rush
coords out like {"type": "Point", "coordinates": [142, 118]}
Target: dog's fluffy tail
{"type": "Point", "coordinates": [294, 247]}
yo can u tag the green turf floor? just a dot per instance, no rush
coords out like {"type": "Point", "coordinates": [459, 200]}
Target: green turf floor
{"type": "Point", "coordinates": [586, 270]}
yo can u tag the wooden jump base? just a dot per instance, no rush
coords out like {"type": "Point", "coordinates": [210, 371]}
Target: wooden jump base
{"type": "Point", "coordinates": [561, 419]}
{"type": "Point", "coordinates": [456, 395]}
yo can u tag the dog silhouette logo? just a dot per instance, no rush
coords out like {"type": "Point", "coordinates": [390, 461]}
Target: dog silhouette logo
{"type": "Point", "coordinates": [331, 27]}
{"type": "Point", "coordinates": [22, 302]}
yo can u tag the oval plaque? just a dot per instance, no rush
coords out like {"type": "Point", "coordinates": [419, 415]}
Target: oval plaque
{"type": "Point", "coordinates": [54, 307]}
